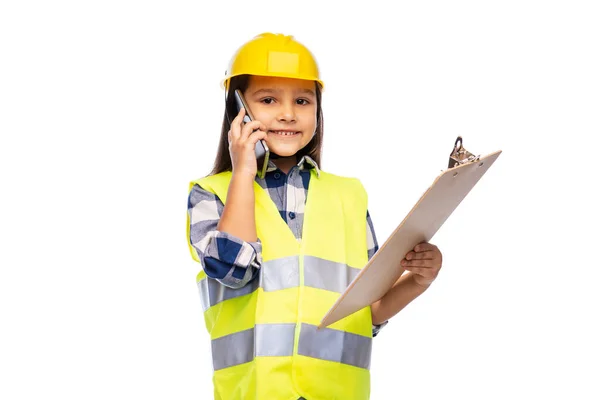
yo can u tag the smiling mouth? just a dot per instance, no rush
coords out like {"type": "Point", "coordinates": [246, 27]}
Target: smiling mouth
{"type": "Point", "coordinates": [284, 133]}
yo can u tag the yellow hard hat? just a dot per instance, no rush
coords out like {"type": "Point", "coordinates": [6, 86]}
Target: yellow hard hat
{"type": "Point", "coordinates": [270, 54]}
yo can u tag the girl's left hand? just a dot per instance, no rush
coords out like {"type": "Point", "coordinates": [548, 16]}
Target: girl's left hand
{"type": "Point", "coordinates": [424, 261]}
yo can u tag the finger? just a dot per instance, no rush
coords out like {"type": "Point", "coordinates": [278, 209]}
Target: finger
{"type": "Point", "coordinates": [417, 263]}
{"type": "Point", "coordinates": [426, 255]}
{"type": "Point", "coordinates": [240, 115]}
{"type": "Point", "coordinates": [256, 136]}
{"type": "Point", "coordinates": [251, 127]}
{"type": "Point", "coordinates": [238, 123]}
{"type": "Point", "coordinates": [424, 246]}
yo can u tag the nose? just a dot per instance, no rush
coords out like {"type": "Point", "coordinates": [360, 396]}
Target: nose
{"type": "Point", "coordinates": [287, 112]}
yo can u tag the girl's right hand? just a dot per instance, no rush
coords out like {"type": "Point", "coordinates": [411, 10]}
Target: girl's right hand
{"type": "Point", "coordinates": [242, 141]}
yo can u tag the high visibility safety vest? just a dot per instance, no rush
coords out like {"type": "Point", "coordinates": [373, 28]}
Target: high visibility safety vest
{"type": "Point", "coordinates": [264, 337]}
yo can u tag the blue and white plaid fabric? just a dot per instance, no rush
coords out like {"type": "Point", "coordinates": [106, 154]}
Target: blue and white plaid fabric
{"type": "Point", "coordinates": [234, 262]}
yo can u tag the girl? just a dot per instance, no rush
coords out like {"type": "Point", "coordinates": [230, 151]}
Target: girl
{"type": "Point", "coordinates": [276, 252]}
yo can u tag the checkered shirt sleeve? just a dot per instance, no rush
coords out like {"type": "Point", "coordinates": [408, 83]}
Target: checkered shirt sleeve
{"type": "Point", "coordinates": [224, 257]}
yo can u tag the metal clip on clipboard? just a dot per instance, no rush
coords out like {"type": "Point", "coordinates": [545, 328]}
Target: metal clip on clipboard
{"type": "Point", "coordinates": [460, 155]}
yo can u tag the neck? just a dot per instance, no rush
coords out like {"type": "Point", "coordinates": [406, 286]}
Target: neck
{"type": "Point", "coordinates": [285, 163]}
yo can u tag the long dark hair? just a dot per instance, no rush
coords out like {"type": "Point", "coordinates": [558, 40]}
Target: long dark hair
{"type": "Point", "coordinates": [223, 159]}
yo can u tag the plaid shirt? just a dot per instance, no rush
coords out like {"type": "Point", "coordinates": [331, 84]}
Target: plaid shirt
{"type": "Point", "coordinates": [234, 262]}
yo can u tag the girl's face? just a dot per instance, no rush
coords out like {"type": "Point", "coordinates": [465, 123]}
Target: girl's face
{"type": "Point", "coordinates": [287, 107]}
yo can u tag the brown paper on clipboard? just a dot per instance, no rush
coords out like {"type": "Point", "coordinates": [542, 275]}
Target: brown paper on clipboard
{"type": "Point", "coordinates": [422, 222]}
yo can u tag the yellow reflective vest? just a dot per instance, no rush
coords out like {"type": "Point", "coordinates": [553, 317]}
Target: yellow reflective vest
{"type": "Point", "coordinates": [264, 338]}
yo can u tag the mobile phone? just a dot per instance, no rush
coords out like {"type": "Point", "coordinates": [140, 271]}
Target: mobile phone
{"type": "Point", "coordinates": [261, 150]}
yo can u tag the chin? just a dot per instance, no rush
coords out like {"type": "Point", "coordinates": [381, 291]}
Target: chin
{"type": "Point", "coordinates": [283, 150]}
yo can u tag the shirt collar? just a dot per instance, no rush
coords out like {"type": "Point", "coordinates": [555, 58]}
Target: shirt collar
{"type": "Point", "coordinates": [305, 163]}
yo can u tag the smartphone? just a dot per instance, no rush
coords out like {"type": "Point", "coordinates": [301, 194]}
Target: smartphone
{"type": "Point", "coordinates": [261, 150]}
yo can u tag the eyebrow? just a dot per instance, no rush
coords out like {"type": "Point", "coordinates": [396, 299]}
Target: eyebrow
{"type": "Point", "coordinates": [269, 91]}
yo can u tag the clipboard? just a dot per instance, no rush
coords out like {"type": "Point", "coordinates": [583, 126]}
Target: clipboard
{"type": "Point", "coordinates": [426, 217]}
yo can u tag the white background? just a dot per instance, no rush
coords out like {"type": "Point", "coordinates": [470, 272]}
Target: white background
{"type": "Point", "coordinates": [108, 109]}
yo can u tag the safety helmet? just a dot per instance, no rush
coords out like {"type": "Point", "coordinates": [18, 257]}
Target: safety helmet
{"type": "Point", "coordinates": [270, 54]}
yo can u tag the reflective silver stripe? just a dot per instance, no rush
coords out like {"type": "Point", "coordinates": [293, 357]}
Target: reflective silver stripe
{"type": "Point", "coordinates": [274, 275]}
{"type": "Point", "coordinates": [275, 339]}
{"type": "Point", "coordinates": [203, 288]}
{"type": "Point", "coordinates": [233, 349]}
{"type": "Point", "coordinates": [264, 340]}
{"type": "Point", "coordinates": [212, 292]}
{"type": "Point", "coordinates": [280, 274]}
{"type": "Point", "coordinates": [327, 275]}
{"type": "Point", "coordinates": [333, 345]}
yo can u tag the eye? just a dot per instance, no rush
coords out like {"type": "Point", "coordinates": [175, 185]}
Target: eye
{"type": "Point", "coordinates": [302, 102]}
{"type": "Point", "coordinates": [267, 100]}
